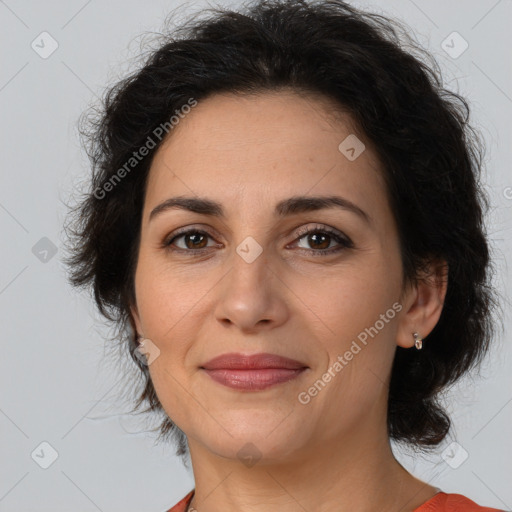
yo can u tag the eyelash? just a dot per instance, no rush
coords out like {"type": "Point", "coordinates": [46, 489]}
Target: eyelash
{"type": "Point", "coordinates": [345, 242]}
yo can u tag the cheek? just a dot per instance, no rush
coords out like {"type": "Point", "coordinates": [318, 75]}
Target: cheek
{"type": "Point", "coordinates": [351, 300]}
{"type": "Point", "coordinates": [163, 308]}
{"type": "Point", "coordinates": [355, 318]}
{"type": "Point", "coordinates": [167, 308]}
{"type": "Point", "coordinates": [357, 332]}
{"type": "Point", "coordinates": [173, 306]}
{"type": "Point", "coordinates": [166, 297]}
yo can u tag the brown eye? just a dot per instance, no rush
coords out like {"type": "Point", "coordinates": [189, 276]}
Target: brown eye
{"type": "Point", "coordinates": [195, 240]}
{"type": "Point", "coordinates": [319, 241]}
{"type": "Point", "coordinates": [190, 241]}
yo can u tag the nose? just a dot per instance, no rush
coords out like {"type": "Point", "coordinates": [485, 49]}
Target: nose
{"type": "Point", "coordinates": [252, 297]}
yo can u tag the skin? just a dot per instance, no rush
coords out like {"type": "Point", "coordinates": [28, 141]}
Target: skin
{"type": "Point", "coordinates": [333, 453]}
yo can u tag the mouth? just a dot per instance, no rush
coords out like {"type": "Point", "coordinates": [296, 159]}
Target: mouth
{"type": "Point", "coordinates": [252, 372]}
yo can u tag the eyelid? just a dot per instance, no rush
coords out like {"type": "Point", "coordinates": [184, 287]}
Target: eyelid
{"type": "Point", "coordinates": [210, 231]}
{"type": "Point", "coordinates": [304, 230]}
{"type": "Point", "coordinates": [178, 233]}
{"type": "Point", "coordinates": [343, 241]}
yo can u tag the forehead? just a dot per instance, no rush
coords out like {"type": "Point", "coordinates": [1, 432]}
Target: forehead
{"type": "Point", "coordinates": [264, 147]}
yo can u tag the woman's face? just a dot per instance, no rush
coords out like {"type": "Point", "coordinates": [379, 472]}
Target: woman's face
{"type": "Point", "coordinates": [248, 279]}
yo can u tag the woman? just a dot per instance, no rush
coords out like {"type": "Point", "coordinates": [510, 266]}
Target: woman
{"type": "Point", "coordinates": [286, 224]}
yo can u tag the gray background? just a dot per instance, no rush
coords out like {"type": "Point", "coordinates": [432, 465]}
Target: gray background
{"type": "Point", "coordinates": [58, 385]}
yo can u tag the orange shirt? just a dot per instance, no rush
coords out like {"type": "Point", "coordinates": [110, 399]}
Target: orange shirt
{"type": "Point", "coordinates": [441, 502]}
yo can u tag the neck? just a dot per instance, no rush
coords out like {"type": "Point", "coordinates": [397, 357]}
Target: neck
{"type": "Point", "coordinates": [356, 472]}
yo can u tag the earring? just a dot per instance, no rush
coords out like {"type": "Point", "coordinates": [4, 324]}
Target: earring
{"type": "Point", "coordinates": [140, 340]}
{"type": "Point", "coordinates": [418, 342]}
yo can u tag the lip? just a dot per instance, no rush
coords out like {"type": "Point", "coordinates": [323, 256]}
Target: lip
{"type": "Point", "coordinates": [264, 360]}
{"type": "Point", "coordinates": [252, 372]}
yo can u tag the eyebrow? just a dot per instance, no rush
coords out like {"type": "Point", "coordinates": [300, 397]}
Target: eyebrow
{"type": "Point", "coordinates": [285, 208]}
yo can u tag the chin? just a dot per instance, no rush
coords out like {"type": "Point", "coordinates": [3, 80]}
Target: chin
{"type": "Point", "coordinates": [263, 443]}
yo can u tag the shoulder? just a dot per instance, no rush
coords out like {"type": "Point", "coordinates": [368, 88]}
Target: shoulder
{"type": "Point", "coordinates": [448, 502]}
{"type": "Point", "coordinates": [182, 505]}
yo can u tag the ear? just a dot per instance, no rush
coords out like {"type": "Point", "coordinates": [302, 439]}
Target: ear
{"type": "Point", "coordinates": [423, 304]}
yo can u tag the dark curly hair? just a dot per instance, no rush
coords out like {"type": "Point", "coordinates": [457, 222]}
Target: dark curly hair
{"type": "Point", "coordinates": [392, 89]}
